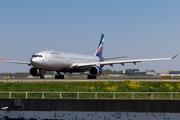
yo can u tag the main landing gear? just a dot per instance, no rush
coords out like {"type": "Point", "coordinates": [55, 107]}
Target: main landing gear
{"type": "Point", "coordinates": [91, 77]}
{"type": "Point", "coordinates": [59, 76]}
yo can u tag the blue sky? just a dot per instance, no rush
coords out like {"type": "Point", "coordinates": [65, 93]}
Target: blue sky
{"type": "Point", "coordinates": [138, 29]}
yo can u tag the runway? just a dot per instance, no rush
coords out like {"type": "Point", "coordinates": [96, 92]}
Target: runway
{"type": "Point", "coordinates": [88, 80]}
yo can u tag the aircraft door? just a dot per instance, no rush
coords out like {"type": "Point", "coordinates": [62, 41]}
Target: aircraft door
{"type": "Point", "coordinates": [48, 57]}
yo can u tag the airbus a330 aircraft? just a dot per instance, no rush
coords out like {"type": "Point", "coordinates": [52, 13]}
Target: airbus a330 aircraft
{"type": "Point", "coordinates": [62, 62]}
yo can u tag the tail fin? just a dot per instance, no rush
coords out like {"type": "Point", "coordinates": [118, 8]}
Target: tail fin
{"type": "Point", "coordinates": [100, 48]}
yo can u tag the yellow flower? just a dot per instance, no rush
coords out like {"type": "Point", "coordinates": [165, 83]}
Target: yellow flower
{"type": "Point", "coordinates": [168, 86]}
{"type": "Point", "coordinates": [134, 85]}
{"type": "Point", "coordinates": [91, 88]}
{"type": "Point", "coordinates": [178, 86]}
{"type": "Point", "coordinates": [112, 88]}
{"type": "Point", "coordinates": [106, 83]}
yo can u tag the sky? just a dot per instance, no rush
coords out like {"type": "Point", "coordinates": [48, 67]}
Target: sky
{"type": "Point", "coordinates": [138, 29]}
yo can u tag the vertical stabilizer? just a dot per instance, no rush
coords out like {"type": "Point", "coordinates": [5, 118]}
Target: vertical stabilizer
{"type": "Point", "coordinates": [100, 48]}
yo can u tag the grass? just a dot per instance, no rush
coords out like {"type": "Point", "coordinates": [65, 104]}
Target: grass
{"type": "Point", "coordinates": [108, 86]}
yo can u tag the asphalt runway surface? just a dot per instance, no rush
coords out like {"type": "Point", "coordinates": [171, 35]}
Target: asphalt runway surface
{"type": "Point", "coordinates": [87, 80]}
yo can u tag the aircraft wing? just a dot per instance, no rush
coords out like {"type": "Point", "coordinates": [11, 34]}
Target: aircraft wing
{"type": "Point", "coordinates": [122, 62]}
{"type": "Point", "coordinates": [19, 62]}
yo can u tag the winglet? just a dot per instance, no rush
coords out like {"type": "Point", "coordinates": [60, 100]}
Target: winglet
{"type": "Point", "coordinates": [3, 59]}
{"type": "Point", "coordinates": [174, 56]}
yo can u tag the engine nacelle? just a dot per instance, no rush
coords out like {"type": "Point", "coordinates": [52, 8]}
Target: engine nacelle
{"type": "Point", "coordinates": [95, 70]}
{"type": "Point", "coordinates": [35, 72]}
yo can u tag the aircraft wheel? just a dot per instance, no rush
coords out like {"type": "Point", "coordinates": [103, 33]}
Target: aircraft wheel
{"type": "Point", "coordinates": [91, 77]}
{"type": "Point", "coordinates": [59, 76]}
{"type": "Point", "coordinates": [42, 77]}
{"type": "Point", "coordinates": [62, 76]}
{"type": "Point", "coordinates": [56, 76]}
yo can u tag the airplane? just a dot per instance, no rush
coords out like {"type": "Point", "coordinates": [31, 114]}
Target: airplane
{"type": "Point", "coordinates": [63, 62]}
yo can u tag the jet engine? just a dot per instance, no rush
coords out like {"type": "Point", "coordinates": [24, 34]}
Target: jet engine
{"type": "Point", "coordinates": [95, 70]}
{"type": "Point", "coordinates": [35, 72]}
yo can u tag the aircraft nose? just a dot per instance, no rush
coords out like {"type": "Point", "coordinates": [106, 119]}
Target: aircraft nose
{"type": "Point", "coordinates": [34, 61]}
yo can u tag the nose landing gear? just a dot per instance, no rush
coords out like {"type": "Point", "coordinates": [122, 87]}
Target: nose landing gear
{"type": "Point", "coordinates": [43, 74]}
{"type": "Point", "coordinates": [42, 77]}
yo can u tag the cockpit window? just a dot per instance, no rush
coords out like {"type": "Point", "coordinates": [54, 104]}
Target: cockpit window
{"type": "Point", "coordinates": [37, 56]}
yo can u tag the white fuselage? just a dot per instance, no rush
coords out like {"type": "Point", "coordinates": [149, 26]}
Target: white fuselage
{"type": "Point", "coordinates": [58, 61]}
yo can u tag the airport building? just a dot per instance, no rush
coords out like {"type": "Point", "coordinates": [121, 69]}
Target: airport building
{"type": "Point", "coordinates": [155, 73]}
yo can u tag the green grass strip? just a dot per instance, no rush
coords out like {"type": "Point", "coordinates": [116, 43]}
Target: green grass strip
{"type": "Point", "coordinates": [108, 86]}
